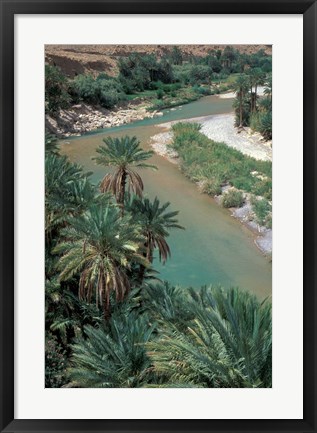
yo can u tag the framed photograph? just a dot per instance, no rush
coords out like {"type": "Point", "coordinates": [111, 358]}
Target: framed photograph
{"type": "Point", "coordinates": [158, 195]}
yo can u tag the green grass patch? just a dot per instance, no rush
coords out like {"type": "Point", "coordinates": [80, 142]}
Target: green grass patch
{"type": "Point", "coordinates": [262, 209]}
{"type": "Point", "coordinates": [206, 160]}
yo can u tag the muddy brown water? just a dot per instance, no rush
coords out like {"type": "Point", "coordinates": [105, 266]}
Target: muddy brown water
{"type": "Point", "coordinates": [214, 248]}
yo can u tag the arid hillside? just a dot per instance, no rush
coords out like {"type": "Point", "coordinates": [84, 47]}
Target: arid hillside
{"type": "Point", "coordinates": [78, 59]}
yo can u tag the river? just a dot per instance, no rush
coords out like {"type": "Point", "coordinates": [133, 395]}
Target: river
{"type": "Point", "coordinates": [215, 248]}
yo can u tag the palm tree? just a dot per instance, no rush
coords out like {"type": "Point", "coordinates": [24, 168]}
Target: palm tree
{"type": "Point", "coordinates": [268, 88]}
{"type": "Point", "coordinates": [67, 192]}
{"type": "Point", "coordinates": [242, 87]}
{"type": "Point", "coordinates": [257, 77]}
{"type": "Point", "coordinates": [155, 223]}
{"type": "Point", "coordinates": [122, 153]}
{"type": "Point", "coordinates": [114, 357]}
{"type": "Point", "coordinates": [101, 247]}
{"type": "Point", "coordinates": [168, 303]}
{"type": "Point", "coordinates": [228, 345]}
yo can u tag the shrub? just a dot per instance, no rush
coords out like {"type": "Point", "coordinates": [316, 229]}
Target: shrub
{"type": "Point", "coordinates": [262, 122]}
{"type": "Point", "coordinates": [104, 91]}
{"type": "Point", "coordinates": [203, 90]}
{"type": "Point", "coordinates": [160, 94]}
{"type": "Point", "coordinates": [262, 209]}
{"type": "Point", "coordinates": [86, 88]}
{"type": "Point", "coordinates": [108, 99]}
{"type": "Point", "coordinates": [263, 188]}
{"type": "Point", "coordinates": [232, 198]}
{"type": "Point", "coordinates": [212, 187]}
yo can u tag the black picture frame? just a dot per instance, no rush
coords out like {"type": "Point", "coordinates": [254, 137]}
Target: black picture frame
{"type": "Point", "coordinates": [8, 11]}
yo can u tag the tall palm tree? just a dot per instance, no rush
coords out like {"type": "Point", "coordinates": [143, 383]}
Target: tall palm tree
{"type": "Point", "coordinates": [155, 223]}
{"type": "Point", "coordinates": [123, 154]}
{"type": "Point", "coordinates": [242, 87]}
{"type": "Point", "coordinates": [257, 77]}
{"type": "Point", "coordinates": [100, 246]}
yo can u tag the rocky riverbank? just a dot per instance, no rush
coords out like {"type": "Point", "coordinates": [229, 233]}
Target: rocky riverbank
{"type": "Point", "coordinates": [83, 118]}
{"type": "Point", "coordinates": [221, 128]}
{"type": "Point", "coordinates": [248, 144]}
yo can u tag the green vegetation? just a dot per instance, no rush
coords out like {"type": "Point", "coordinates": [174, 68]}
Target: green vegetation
{"type": "Point", "coordinates": [232, 198]}
{"type": "Point", "coordinates": [107, 323]}
{"type": "Point", "coordinates": [250, 110]}
{"type": "Point", "coordinates": [109, 320]}
{"type": "Point", "coordinates": [216, 164]}
{"type": "Point", "coordinates": [262, 209]}
{"type": "Point", "coordinates": [56, 90]}
{"type": "Point", "coordinates": [207, 339]}
{"type": "Point", "coordinates": [123, 154]}
{"type": "Point", "coordinates": [103, 90]}
{"type": "Point", "coordinates": [166, 82]}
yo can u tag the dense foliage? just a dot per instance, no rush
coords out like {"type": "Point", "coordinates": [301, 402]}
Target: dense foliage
{"type": "Point", "coordinates": [171, 80]}
{"type": "Point", "coordinates": [250, 110]}
{"type": "Point", "coordinates": [107, 323]}
{"type": "Point", "coordinates": [110, 321]}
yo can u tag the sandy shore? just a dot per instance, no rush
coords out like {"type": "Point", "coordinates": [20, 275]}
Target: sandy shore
{"type": "Point", "coordinates": [230, 95]}
{"type": "Point", "coordinates": [220, 128]}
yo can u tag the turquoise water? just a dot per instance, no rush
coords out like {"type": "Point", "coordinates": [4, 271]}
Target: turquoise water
{"type": "Point", "coordinates": [214, 248]}
{"type": "Point", "coordinates": [203, 107]}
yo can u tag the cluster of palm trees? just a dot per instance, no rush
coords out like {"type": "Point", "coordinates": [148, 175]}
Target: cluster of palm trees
{"type": "Point", "coordinates": [98, 241]}
{"type": "Point", "coordinates": [210, 338]}
{"type": "Point", "coordinates": [249, 109]}
{"type": "Point", "coordinates": [107, 323]}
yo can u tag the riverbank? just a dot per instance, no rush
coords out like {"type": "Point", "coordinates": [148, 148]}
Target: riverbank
{"type": "Point", "coordinates": [220, 129]}
{"type": "Point", "coordinates": [83, 118]}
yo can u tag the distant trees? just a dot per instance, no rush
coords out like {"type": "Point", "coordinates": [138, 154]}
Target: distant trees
{"type": "Point", "coordinates": [142, 72]}
{"type": "Point", "coordinates": [257, 78]}
{"type": "Point", "coordinates": [133, 73]}
{"type": "Point", "coordinates": [228, 56]}
{"type": "Point", "coordinates": [56, 90]}
{"type": "Point", "coordinates": [242, 87]}
{"type": "Point", "coordinates": [137, 71]}
{"type": "Point", "coordinates": [176, 56]}
{"type": "Point", "coordinates": [103, 90]}
{"type": "Point", "coordinates": [250, 111]}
